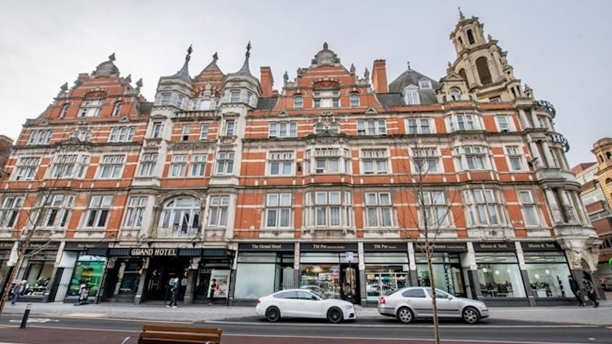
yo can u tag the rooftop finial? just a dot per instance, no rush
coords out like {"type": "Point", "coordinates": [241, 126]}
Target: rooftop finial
{"type": "Point", "coordinates": [245, 66]}
{"type": "Point", "coordinates": [112, 57]}
{"type": "Point", "coordinates": [460, 13]}
{"type": "Point", "coordinates": [215, 56]}
{"type": "Point", "coordinates": [325, 46]}
{"type": "Point", "coordinates": [408, 65]}
{"type": "Point", "coordinates": [248, 52]}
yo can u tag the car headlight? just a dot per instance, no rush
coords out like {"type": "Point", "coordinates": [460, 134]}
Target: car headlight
{"type": "Point", "coordinates": [348, 306]}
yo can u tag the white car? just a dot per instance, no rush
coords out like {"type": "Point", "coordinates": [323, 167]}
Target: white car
{"type": "Point", "coordinates": [415, 302]}
{"type": "Point", "coordinates": [303, 303]}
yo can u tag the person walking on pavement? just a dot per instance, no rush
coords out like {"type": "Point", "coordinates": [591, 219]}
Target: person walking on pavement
{"type": "Point", "coordinates": [590, 290]}
{"type": "Point", "coordinates": [213, 287]}
{"type": "Point", "coordinates": [576, 290]}
{"type": "Point", "coordinates": [174, 293]}
{"type": "Point", "coordinates": [18, 290]}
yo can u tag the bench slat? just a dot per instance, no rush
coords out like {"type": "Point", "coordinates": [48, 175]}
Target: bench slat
{"type": "Point", "coordinates": [155, 334]}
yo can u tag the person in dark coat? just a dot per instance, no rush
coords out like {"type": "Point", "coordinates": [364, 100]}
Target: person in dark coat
{"type": "Point", "coordinates": [174, 293]}
{"type": "Point", "coordinates": [576, 290]}
{"type": "Point", "coordinates": [590, 290]}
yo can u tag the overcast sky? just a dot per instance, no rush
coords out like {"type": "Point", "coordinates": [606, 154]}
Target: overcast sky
{"type": "Point", "coordinates": [561, 49]}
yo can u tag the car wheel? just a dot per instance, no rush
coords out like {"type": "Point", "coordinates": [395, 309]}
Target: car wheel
{"type": "Point", "coordinates": [470, 315]}
{"type": "Point", "coordinates": [273, 314]}
{"type": "Point", "coordinates": [405, 315]}
{"type": "Point", "coordinates": [334, 315]}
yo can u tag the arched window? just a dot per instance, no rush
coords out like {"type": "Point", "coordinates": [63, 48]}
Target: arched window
{"type": "Point", "coordinates": [470, 36]}
{"type": "Point", "coordinates": [601, 158]}
{"type": "Point", "coordinates": [462, 74]}
{"type": "Point", "coordinates": [117, 109]}
{"type": "Point", "coordinates": [334, 127]}
{"type": "Point", "coordinates": [180, 217]}
{"type": "Point", "coordinates": [608, 155]}
{"type": "Point", "coordinates": [298, 102]}
{"type": "Point", "coordinates": [354, 100]}
{"type": "Point", "coordinates": [455, 94]}
{"type": "Point", "coordinates": [319, 128]}
{"type": "Point", "coordinates": [64, 110]}
{"type": "Point", "coordinates": [483, 70]}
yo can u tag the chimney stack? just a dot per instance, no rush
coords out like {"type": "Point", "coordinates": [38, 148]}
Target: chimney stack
{"type": "Point", "coordinates": [379, 77]}
{"type": "Point", "coordinates": [267, 80]}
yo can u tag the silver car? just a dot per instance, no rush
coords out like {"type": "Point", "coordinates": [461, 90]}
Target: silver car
{"type": "Point", "coordinates": [415, 302]}
{"type": "Point", "coordinates": [303, 303]}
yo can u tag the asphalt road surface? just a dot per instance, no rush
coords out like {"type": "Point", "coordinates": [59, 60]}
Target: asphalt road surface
{"type": "Point", "coordinates": [45, 330]}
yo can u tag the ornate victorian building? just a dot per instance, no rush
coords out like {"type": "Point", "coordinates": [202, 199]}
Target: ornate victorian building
{"type": "Point", "coordinates": [332, 183]}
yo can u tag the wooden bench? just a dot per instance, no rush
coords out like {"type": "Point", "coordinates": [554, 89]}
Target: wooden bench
{"type": "Point", "coordinates": [154, 334]}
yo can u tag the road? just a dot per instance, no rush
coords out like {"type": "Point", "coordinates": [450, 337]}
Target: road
{"type": "Point", "coordinates": [69, 330]}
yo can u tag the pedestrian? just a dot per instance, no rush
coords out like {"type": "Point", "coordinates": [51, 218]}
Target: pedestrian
{"type": "Point", "coordinates": [213, 288]}
{"type": "Point", "coordinates": [174, 293]}
{"type": "Point", "coordinates": [590, 290]}
{"type": "Point", "coordinates": [576, 290]}
{"type": "Point", "coordinates": [18, 290]}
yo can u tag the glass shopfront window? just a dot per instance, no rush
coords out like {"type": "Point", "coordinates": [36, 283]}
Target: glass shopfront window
{"type": "Point", "coordinates": [262, 273]}
{"type": "Point", "coordinates": [499, 275]}
{"type": "Point", "coordinates": [447, 272]}
{"type": "Point", "coordinates": [330, 275]}
{"type": "Point", "coordinates": [88, 271]}
{"type": "Point", "coordinates": [385, 273]}
{"type": "Point", "coordinates": [547, 273]}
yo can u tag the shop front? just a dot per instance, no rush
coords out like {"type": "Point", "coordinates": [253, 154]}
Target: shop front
{"type": "Point", "coordinates": [263, 268]}
{"type": "Point", "coordinates": [5, 269]}
{"type": "Point", "coordinates": [499, 275]}
{"type": "Point", "coordinates": [446, 266]}
{"type": "Point", "coordinates": [214, 264]}
{"type": "Point", "coordinates": [37, 269]}
{"type": "Point", "coordinates": [81, 266]}
{"type": "Point", "coordinates": [331, 269]}
{"type": "Point", "coordinates": [547, 270]}
{"type": "Point", "coordinates": [386, 269]}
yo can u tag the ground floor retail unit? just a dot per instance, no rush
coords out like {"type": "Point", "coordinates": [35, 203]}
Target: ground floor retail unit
{"type": "Point", "coordinates": [518, 273]}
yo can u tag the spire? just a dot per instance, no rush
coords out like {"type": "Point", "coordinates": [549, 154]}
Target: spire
{"type": "Point", "coordinates": [184, 72]}
{"type": "Point", "coordinates": [245, 67]}
{"type": "Point", "coordinates": [461, 16]}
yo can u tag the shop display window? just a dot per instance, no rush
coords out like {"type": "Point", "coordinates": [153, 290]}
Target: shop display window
{"type": "Point", "coordinates": [447, 272]}
{"type": "Point", "coordinates": [384, 280]}
{"type": "Point", "coordinates": [547, 273]}
{"type": "Point", "coordinates": [324, 280]}
{"type": "Point", "coordinates": [37, 276]}
{"type": "Point", "coordinates": [499, 275]}
{"type": "Point", "coordinates": [88, 272]}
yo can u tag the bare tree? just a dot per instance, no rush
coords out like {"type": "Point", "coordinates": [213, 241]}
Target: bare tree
{"type": "Point", "coordinates": [433, 211]}
{"type": "Point", "coordinates": [39, 208]}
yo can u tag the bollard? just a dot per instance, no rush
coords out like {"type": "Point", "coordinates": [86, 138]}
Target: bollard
{"type": "Point", "coordinates": [26, 314]}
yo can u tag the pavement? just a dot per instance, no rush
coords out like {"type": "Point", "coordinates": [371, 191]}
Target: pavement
{"type": "Point", "coordinates": [195, 313]}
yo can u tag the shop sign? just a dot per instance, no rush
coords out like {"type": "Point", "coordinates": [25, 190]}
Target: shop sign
{"type": "Point", "coordinates": [6, 245]}
{"type": "Point", "coordinates": [84, 246]}
{"type": "Point", "coordinates": [328, 247]}
{"type": "Point", "coordinates": [266, 247]}
{"type": "Point", "coordinates": [494, 246]}
{"type": "Point", "coordinates": [388, 247]}
{"type": "Point", "coordinates": [445, 247]}
{"type": "Point", "coordinates": [149, 252]}
{"type": "Point", "coordinates": [47, 246]}
{"type": "Point", "coordinates": [540, 246]}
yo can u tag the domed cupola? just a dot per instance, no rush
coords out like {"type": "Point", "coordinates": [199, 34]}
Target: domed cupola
{"type": "Point", "coordinates": [242, 86]}
{"type": "Point", "coordinates": [325, 57]}
{"type": "Point", "coordinates": [175, 90]}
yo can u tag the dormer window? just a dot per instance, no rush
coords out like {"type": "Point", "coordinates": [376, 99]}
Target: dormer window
{"type": "Point", "coordinates": [298, 102]}
{"type": "Point", "coordinates": [411, 95]}
{"type": "Point", "coordinates": [455, 94]}
{"type": "Point", "coordinates": [326, 99]}
{"type": "Point", "coordinates": [117, 109]}
{"type": "Point", "coordinates": [354, 100]}
{"type": "Point", "coordinates": [425, 84]}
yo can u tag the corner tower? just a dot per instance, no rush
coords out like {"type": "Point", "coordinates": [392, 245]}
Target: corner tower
{"type": "Point", "coordinates": [482, 64]}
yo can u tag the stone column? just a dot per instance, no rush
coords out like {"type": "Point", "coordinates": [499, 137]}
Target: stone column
{"type": "Point", "coordinates": [141, 283]}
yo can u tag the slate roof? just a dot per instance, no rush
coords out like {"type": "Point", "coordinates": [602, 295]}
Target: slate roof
{"type": "Point", "coordinates": [412, 77]}
{"type": "Point", "coordinates": [390, 99]}
{"type": "Point", "coordinates": [266, 103]}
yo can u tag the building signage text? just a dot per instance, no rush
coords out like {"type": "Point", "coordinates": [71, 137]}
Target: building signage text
{"type": "Point", "coordinates": [146, 252]}
{"type": "Point", "coordinates": [494, 246]}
